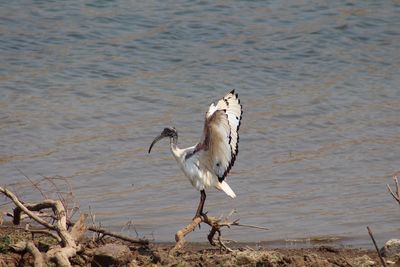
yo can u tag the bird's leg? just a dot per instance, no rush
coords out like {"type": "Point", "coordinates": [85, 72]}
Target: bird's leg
{"type": "Point", "coordinates": [199, 211]}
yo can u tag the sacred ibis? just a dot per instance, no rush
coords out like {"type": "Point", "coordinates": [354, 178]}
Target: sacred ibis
{"type": "Point", "coordinates": [207, 163]}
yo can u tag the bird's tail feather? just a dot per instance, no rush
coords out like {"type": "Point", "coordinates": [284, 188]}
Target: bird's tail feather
{"type": "Point", "coordinates": [226, 188]}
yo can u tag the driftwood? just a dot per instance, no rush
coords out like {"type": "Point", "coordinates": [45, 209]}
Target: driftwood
{"type": "Point", "coordinates": [68, 245]}
{"type": "Point", "coordinates": [57, 225]}
{"type": "Point", "coordinates": [216, 224]}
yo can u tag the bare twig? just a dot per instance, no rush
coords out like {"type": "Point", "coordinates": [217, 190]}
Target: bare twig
{"type": "Point", "coordinates": [34, 184]}
{"type": "Point", "coordinates": [93, 219]}
{"type": "Point", "coordinates": [376, 247]}
{"type": "Point", "coordinates": [180, 235]}
{"type": "Point", "coordinates": [236, 223]}
{"type": "Point", "coordinates": [396, 195]}
{"type": "Point", "coordinates": [57, 190]}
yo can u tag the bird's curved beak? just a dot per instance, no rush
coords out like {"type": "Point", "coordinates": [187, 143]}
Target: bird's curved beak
{"type": "Point", "coordinates": [158, 138]}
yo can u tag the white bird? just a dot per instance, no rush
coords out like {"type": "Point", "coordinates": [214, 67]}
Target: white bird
{"type": "Point", "coordinates": [207, 163]}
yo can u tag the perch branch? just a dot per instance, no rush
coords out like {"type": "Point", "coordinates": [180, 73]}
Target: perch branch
{"type": "Point", "coordinates": [215, 225]}
{"type": "Point", "coordinates": [180, 235]}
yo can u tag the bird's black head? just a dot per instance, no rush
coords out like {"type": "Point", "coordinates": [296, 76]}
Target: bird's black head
{"type": "Point", "coordinates": [167, 132]}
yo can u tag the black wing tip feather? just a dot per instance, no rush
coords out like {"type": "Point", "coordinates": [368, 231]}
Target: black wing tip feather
{"type": "Point", "coordinates": [234, 155]}
{"type": "Point", "coordinates": [235, 94]}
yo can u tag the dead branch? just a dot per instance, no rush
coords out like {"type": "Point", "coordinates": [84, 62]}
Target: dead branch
{"type": "Point", "coordinates": [396, 195]}
{"type": "Point", "coordinates": [215, 225]}
{"type": "Point", "coordinates": [119, 236]}
{"type": "Point", "coordinates": [376, 247]}
{"type": "Point", "coordinates": [236, 223]}
{"type": "Point", "coordinates": [104, 232]}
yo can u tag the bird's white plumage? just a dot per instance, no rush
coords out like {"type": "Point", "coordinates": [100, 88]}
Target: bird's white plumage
{"type": "Point", "coordinates": [207, 163]}
{"type": "Point", "coordinates": [221, 136]}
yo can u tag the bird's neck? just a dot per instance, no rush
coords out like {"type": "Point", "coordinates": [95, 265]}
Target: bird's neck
{"type": "Point", "coordinates": [176, 151]}
{"type": "Point", "coordinates": [174, 145]}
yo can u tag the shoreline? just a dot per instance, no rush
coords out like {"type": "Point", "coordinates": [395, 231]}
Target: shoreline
{"type": "Point", "coordinates": [193, 253]}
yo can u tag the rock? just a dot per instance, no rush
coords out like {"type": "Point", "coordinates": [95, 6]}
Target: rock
{"type": "Point", "coordinates": [273, 258]}
{"type": "Point", "coordinates": [328, 249]}
{"type": "Point", "coordinates": [364, 261]}
{"type": "Point", "coordinates": [315, 261]}
{"type": "Point", "coordinates": [133, 263]}
{"type": "Point", "coordinates": [254, 258]}
{"type": "Point", "coordinates": [111, 255]}
{"type": "Point", "coordinates": [391, 248]}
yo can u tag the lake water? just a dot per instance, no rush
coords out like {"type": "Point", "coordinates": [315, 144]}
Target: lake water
{"type": "Point", "coordinates": [85, 86]}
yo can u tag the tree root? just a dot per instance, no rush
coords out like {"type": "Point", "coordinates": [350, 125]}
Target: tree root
{"type": "Point", "coordinates": [32, 249]}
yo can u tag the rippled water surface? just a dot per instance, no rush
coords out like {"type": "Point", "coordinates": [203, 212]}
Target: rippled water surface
{"type": "Point", "coordinates": [86, 86]}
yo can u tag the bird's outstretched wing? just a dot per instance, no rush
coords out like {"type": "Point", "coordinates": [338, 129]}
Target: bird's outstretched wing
{"type": "Point", "coordinates": [221, 136]}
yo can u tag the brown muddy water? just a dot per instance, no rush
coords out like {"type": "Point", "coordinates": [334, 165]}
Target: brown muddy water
{"type": "Point", "coordinates": [86, 86]}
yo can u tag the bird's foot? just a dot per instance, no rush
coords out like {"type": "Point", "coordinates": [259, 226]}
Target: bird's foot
{"type": "Point", "coordinates": [199, 215]}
